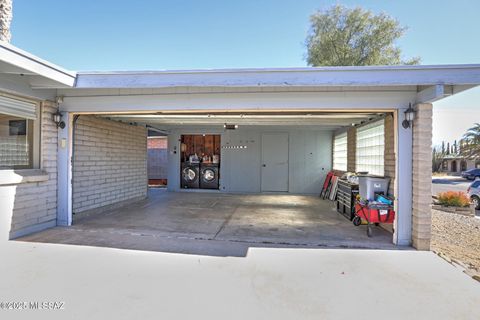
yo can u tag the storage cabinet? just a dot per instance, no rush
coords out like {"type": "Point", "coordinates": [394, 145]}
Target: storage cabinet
{"type": "Point", "coordinates": [346, 194]}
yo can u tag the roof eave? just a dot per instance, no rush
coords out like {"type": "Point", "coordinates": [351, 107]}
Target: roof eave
{"type": "Point", "coordinates": [372, 76]}
{"type": "Point", "coordinates": [46, 74]}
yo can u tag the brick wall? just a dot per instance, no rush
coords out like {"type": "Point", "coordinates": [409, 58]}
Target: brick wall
{"type": "Point", "coordinates": [351, 149]}
{"type": "Point", "coordinates": [35, 204]}
{"type": "Point", "coordinates": [157, 142]}
{"type": "Point", "coordinates": [389, 152]}
{"type": "Point", "coordinates": [110, 163]}
{"type": "Point", "coordinates": [422, 177]}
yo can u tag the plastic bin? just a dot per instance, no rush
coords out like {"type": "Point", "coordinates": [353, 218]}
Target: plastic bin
{"type": "Point", "coordinates": [369, 185]}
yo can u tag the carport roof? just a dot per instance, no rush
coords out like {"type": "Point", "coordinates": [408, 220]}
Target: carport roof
{"type": "Point", "coordinates": [433, 82]}
{"type": "Point", "coordinates": [420, 75]}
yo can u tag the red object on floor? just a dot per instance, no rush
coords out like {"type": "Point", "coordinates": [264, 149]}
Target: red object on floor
{"type": "Point", "coordinates": [374, 215]}
{"type": "Point", "coordinates": [327, 181]}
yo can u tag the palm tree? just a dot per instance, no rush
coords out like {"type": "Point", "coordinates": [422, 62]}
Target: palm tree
{"type": "Point", "coordinates": [471, 142]}
{"type": "Point", "coordinates": [5, 19]}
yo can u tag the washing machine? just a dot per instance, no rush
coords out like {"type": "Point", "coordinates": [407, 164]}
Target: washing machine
{"type": "Point", "coordinates": [190, 175]}
{"type": "Point", "coordinates": [209, 176]}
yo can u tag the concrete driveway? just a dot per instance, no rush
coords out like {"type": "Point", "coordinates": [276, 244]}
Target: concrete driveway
{"type": "Point", "coordinates": [104, 283]}
{"type": "Point", "coordinates": [217, 224]}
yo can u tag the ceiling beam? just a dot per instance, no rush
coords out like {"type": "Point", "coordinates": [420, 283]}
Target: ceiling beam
{"type": "Point", "coordinates": [433, 93]}
{"type": "Point", "coordinates": [313, 122]}
{"type": "Point", "coordinates": [248, 115]}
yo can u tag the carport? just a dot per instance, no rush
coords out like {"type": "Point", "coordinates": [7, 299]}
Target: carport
{"type": "Point", "coordinates": [270, 165]}
{"type": "Point", "coordinates": [108, 116]}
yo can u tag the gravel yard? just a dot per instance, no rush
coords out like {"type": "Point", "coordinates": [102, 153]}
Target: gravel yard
{"type": "Point", "coordinates": [457, 237]}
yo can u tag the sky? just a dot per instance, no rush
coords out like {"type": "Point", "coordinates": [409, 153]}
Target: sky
{"type": "Point", "coordinates": [90, 35]}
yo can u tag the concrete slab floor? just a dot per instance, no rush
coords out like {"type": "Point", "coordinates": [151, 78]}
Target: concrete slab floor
{"type": "Point", "coordinates": [217, 224]}
{"type": "Point", "coordinates": [269, 283]}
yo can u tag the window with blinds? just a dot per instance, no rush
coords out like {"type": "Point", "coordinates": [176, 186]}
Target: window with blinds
{"type": "Point", "coordinates": [340, 152]}
{"type": "Point", "coordinates": [17, 123]}
{"type": "Point", "coordinates": [371, 148]}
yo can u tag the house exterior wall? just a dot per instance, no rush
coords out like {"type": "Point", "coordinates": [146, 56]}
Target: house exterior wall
{"type": "Point", "coordinates": [240, 169]}
{"type": "Point", "coordinates": [389, 152]}
{"type": "Point", "coordinates": [389, 155]}
{"type": "Point", "coordinates": [470, 164]}
{"type": "Point", "coordinates": [110, 164]}
{"type": "Point", "coordinates": [31, 205]}
{"type": "Point", "coordinates": [422, 177]}
{"type": "Point", "coordinates": [351, 149]}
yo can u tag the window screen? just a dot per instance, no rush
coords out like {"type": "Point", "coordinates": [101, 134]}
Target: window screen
{"type": "Point", "coordinates": [340, 152]}
{"type": "Point", "coordinates": [370, 148]}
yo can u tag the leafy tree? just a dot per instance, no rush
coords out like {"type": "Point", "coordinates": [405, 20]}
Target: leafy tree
{"type": "Point", "coordinates": [471, 142]}
{"type": "Point", "coordinates": [341, 36]}
{"type": "Point", "coordinates": [437, 157]}
{"type": "Point", "coordinates": [5, 19]}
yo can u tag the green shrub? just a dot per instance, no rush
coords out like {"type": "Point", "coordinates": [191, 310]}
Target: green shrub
{"type": "Point", "coordinates": [453, 199]}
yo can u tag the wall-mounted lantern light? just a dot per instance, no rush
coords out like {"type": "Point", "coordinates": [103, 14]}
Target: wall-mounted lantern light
{"type": "Point", "coordinates": [409, 116]}
{"type": "Point", "coordinates": [57, 118]}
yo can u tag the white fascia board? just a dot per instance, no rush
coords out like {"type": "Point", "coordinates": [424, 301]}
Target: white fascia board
{"type": "Point", "coordinates": [258, 101]}
{"type": "Point", "coordinates": [36, 66]}
{"type": "Point", "coordinates": [328, 76]}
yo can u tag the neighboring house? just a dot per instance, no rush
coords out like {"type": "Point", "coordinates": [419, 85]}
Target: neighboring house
{"type": "Point", "coordinates": [257, 130]}
{"type": "Point", "coordinates": [455, 164]}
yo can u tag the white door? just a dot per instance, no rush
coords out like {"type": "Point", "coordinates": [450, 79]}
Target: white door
{"type": "Point", "coordinates": [275, 162]}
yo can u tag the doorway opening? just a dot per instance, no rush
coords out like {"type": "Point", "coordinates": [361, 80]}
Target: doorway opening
{"type": "Point", "coordinates": [200, 161]}
{"type": "Point", "coordinates": [454, 166]}
{"type": "Point", "coordinates": [157, 160]}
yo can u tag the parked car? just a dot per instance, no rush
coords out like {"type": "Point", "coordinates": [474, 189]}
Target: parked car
{"type": "Point", "coordinates": [471, 174]}
{"type": "Point", "coordinates": [474, 193]}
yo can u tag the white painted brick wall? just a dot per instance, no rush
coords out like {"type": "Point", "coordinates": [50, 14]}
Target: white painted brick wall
{"type": "Point", "coordinates": [110, 163]}
{"type": "Point", "coordinates": [35, 204]}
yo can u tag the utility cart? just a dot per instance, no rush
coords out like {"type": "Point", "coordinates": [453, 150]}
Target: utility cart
{"type": "Point", "coordinates": [372, 214]}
